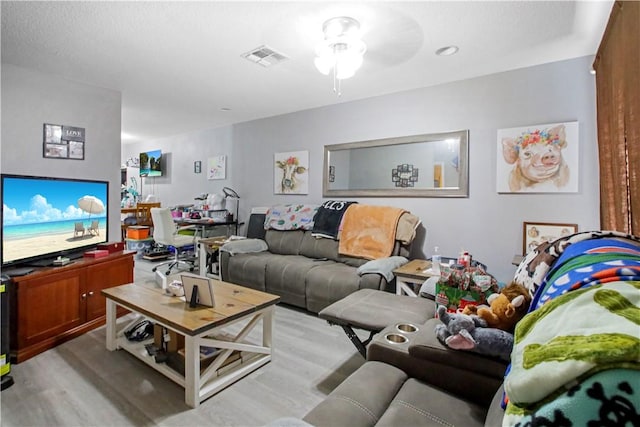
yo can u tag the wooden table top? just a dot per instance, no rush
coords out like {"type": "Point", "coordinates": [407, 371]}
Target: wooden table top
{"type": "Point", "coordinates": [414, 269]}
{"type": "Point", "coordinates": [232, 302]}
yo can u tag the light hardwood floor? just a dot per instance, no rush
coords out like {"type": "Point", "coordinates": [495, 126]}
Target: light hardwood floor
{"type": "Point", "coordinates": [80, 383]}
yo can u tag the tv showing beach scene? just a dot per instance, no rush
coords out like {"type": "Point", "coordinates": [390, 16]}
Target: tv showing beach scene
{"type": "Point", "coordinates": [151, 163]}
{"type": "Point", "coordinates": [46, 217]}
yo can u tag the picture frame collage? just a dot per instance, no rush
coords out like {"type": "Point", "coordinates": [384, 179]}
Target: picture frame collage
{"type": "Point", "coordinates": [63, 142]}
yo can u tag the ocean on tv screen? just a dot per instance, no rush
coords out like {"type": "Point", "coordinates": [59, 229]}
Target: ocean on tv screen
{"type": "Point", "coordinates": [47, 216]}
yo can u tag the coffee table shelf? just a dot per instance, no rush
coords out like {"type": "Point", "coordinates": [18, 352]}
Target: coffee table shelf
{"type": "Point", "coordinates": [201, 327]}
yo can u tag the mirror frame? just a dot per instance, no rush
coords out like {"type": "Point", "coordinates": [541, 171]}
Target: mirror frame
{"type": "Point", "coordinates": [463, 168]}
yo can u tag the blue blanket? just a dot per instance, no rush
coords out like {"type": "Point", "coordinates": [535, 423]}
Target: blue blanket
{"type": "Point", "coordinates": [587, 263]}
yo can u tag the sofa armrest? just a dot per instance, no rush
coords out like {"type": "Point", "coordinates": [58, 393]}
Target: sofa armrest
{"type": "Point", "coordinates": [383, 266]}
{"type": "Point", "coordinates": [423, 357]}
{"type": "Point", "coordinates": [244, 246]}
{"type": "Point", "coordinates": [426, 345]}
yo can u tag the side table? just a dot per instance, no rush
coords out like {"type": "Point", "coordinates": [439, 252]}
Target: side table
{"type": "Point", "coordinates": [208, 249]}
{"type": "Point", "coordinates": [411, 276]}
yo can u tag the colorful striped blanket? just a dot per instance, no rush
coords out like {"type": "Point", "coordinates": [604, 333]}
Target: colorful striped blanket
{"type": "Point", "coordinates": [536, 264]}
{"type": "Point", "coordinates": [585, 321]}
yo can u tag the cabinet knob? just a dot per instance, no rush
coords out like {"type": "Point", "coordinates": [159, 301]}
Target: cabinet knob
{"type": "Point", "coordinates": [90, 293]}
{"type": "Point", "coordinates": [83, 296]}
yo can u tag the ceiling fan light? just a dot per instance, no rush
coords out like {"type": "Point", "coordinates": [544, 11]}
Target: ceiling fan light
{"type": "Point", "coordinates": [344, 71]}
{"type": "Point", "coordinates": [324, 49]}
{"type": "Point", "coordinates": [340, 26]}
{"type": "Point", "coordinates": [356, 47]}
{"type": "Point", "coordinates": [341, 50]}
{"type": "Point", "coordinates": [324, 64]}
{"type": "Point", "coordinates": [348, 65]}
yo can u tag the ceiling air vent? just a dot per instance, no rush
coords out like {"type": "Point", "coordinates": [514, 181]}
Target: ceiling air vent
{"type": "Point", "coordinates": [265, 56]}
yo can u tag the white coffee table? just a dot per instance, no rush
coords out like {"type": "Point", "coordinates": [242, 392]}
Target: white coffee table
{"type": "Point", "coordinates": [200, 326]}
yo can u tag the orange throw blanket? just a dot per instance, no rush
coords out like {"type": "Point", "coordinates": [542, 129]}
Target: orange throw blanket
{"type": "Point", "coordinates": [369, 231]}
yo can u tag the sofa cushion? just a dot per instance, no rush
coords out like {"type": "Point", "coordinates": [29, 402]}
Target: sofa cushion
{"type": "Point", "coordinates": [318, 247]}
{"type": "Point", "coordinates": [349, 405]}
{"type": "Point", "coordinates": [419, 404]}
{"type": "Point", "coordinates": [335, 281]}
{"type": "Point", "coordinates": [313, 247]}
{"type": "Point", "coordinates": [426, 345]}
{"type": "Point", "coordinates": [350, 261]}
{"type": "Point", "coordinates": [248, 269]}
{"type": "Point", "coordinates": [382, 395]}
{"type": "Point", "coordinates": [284, 242]}
{"type": "Point", "coordinates": [286, 276]}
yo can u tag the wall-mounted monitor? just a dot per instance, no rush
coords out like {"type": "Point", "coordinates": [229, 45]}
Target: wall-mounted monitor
{"type": "Point", "coordinates": [151, 163]}
{"type": "Point", "coordinates": [43, 218]}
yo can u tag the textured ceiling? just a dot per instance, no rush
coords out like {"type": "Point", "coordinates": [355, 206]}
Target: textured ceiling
{"type": "Point", "coordinates": [178, 64]}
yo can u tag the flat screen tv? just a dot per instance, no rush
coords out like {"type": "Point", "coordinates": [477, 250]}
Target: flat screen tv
{"type": "Point", "coordinates": [43, 218]}
{"type": "Point", "coordinates": [151, 163]}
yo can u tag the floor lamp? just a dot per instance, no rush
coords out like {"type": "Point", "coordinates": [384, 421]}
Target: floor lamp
{"type": "Point", "coordinates": [231, 194]}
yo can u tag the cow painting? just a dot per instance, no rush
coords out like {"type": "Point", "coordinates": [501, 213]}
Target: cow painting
{"type": "Point", "coordinates": [290, 168]}
{"type": "Point", "coordinates": [537, 159]}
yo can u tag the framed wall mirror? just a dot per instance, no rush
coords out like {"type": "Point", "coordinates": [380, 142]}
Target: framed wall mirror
{"type": "Point", "coordinates": [428, 165]}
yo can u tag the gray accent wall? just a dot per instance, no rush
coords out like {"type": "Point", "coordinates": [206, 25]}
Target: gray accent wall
{"type": "Point", "coordinates": [487, 224]}
{"type": "Point", "coordinates": [30, 99]}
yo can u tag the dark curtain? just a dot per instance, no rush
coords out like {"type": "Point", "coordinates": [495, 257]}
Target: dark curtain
{"type": "Point", "coordinates": [617, 67]}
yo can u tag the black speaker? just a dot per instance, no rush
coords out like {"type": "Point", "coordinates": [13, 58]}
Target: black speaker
{"type": "Point", "coordinates": [5, 363]}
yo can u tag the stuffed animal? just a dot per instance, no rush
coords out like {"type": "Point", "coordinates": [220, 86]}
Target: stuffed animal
{"type": "Point", "coordinates": [506, 308]}
{"type": "Point", "coordinates": [463, 332]}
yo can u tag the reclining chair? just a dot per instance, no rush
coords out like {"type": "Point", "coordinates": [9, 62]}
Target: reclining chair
{"type": "Point", "coordinates": [166, 233]}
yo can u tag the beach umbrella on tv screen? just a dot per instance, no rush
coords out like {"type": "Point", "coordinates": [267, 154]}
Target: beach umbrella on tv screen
{"type": "Point", "coordinates": [91, 205]}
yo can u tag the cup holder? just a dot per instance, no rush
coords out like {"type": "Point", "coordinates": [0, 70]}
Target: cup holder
{"type": "Point", "coordinates": [396, 338]}
{"type": "Point", "coordinates": [406, 327]}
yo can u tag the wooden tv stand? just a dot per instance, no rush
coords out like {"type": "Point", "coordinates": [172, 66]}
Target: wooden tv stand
{"type": "Point", "coordinates": [52, 305]}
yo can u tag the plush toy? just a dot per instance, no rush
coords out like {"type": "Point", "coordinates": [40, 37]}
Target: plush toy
{"type": "Point", "coordinates": [506, 308]}
{"type": "Point", "coordinates": [464, 332]}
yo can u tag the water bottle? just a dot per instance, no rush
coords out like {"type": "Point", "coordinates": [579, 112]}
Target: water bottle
{"type": "Point", "coordinates": [435, 261]}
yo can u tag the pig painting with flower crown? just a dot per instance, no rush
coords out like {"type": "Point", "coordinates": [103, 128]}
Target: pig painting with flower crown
{"type": "Point", "coordinates": [538, 159]}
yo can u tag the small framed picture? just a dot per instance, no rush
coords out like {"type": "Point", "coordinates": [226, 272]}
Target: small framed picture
{"type": "Point", "coordinates": [56, 151]}
{"type": "Point", "coordinates": [536, 233]}
{"type": "Point", "coordinates": [197, 166]}
{"type": "Point", "coordinates": [52, 133]}
{"type": "Point", "coordinates": [76, 150]}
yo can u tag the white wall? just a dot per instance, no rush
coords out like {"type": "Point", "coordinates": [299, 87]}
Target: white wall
{"type": "Point", "coordinates": [179, 184]}
{"type": "Point", "coordinates": [487, 224]}
{"type": "Point", "coordinates": [30, 99]}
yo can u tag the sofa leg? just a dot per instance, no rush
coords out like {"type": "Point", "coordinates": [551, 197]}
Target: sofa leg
{"type": "Point", "coordinates": [360, 345]}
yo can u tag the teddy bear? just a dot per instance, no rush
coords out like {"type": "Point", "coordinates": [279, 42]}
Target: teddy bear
{"type": "Point", "coordinates": [505, 308]}
{"type": "Point", "coordinates": [464, 332]}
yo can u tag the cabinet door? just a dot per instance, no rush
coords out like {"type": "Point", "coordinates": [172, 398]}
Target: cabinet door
{"type": "Point", "coordinates": [48, 306]}
{"type": "Point", "coordinates": [105, 275]}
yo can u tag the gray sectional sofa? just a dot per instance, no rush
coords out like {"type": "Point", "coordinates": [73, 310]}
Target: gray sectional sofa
{"type": "Point", "coordinates": [591, 328]}
{"type": "Point", "coordinates": [304, 271]}
{"type": "Point", "coordinates": [418, 382]}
